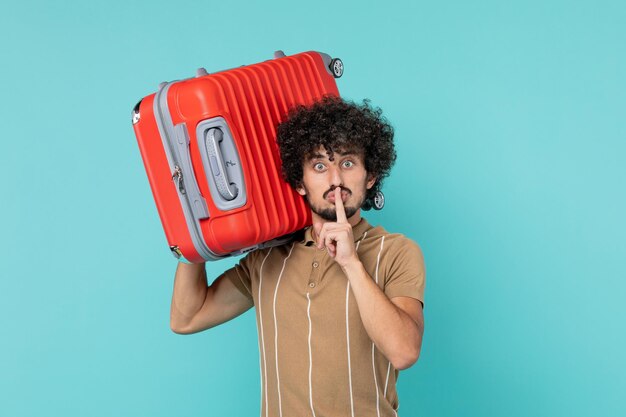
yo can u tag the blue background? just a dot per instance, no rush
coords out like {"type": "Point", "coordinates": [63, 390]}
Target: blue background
{"type": "Point", "coordinates": [511, 137]}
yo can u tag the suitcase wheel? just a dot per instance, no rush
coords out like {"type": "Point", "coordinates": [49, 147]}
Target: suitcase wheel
{"type": "Point", "coordinates": [379, 200]}
{"type": "Point", "coordinates": [376, 203]}
{"type": "Point", "coordinates": [336, 67]}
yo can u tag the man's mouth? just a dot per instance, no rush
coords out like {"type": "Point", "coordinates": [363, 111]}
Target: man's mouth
{"type": "Point", "coordinates": [331, 196]}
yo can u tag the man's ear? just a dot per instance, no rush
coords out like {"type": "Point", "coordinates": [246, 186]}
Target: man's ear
{"type": "Point", "coordinates": [371, 180]}
{"type": "Point", "coordinates": [300, 189]}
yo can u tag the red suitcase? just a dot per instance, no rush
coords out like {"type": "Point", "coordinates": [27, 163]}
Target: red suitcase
{"type": "Point", "coordinates": [209, 148]}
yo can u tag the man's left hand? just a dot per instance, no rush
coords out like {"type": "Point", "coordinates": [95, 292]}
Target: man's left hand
{"type": "Point", "coordinates": [337, 236]}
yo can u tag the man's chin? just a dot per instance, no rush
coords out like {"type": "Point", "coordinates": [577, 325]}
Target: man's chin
{"type": "Point", "coordinates": [331, 214]}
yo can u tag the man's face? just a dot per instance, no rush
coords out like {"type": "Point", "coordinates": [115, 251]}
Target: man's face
{"type": "Point", "coordinates": [321, 176]}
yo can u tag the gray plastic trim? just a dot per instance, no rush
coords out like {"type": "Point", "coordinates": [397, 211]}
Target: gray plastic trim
{"type": "Point", "coordinates": [180, 164]}
{"type": "Point", "coordinates": [270, 243]}
{"type": "Point", "coordinates": [327, 60]}
{"type": "Point", "coordinates": [185, 177]}
{"type": "Point", "coordinates": [221, 163]}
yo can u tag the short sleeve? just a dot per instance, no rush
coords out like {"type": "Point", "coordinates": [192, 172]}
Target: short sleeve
{"type": "Point", "coordinates": [241, 274]}
{"type": "Point", "coordinates": [405, 275]}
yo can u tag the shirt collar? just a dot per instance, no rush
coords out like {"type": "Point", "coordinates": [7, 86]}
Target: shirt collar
{"type": "Point", "coordinates": [357, 231]}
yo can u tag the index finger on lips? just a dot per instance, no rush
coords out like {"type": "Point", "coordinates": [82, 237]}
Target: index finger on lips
{"type": "Point", "coordinates": [341, 212]}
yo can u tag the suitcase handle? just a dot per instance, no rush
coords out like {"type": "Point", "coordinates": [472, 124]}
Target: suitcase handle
{"type": "Point", "coordinates": [227, 189]}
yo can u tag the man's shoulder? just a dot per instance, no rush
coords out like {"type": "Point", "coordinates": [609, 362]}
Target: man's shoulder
{"type": "Point", "coordinates": [390, 238]}
{"type": "Point", "coordinates": [389, 245]}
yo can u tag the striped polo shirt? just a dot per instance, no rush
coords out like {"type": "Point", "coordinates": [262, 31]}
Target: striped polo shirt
{"type": "Point", "coordinates": [316, 357]}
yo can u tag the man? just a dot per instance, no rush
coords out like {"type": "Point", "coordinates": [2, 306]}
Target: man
{"type": "Point", "coordinates": [339, 309]}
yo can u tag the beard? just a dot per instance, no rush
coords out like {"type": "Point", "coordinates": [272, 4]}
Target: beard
{"type": "Point", "coordinates": [330, 214]}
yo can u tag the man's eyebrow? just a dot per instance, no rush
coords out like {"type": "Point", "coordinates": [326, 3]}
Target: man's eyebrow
{"type": "Point", "coordinates": [344, 153]}
{"type": "Point", "coordinates": [353, 153]}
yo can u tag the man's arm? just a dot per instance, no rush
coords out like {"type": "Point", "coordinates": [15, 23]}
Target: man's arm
{"type": "Point", "coordinates": [197, 306]}
{"type": "Point", "coordinates": [396, 326]}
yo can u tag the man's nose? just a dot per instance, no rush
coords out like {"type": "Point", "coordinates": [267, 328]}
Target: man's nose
{"type": "Point", "coordinates": [335, 177]}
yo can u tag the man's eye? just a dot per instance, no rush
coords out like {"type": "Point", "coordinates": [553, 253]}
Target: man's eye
{"type": "Point", "coordinates": [318, 167]}
{"type": "Point", "coordinates": [348, 164]}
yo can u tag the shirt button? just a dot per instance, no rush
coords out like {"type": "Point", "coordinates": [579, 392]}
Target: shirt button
{"type": "Point", "coordinates": [312, 284]}
{"type": "Point", "coordinates": [315, 264]}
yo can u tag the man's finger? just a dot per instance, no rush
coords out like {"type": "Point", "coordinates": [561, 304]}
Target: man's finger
{"type": "Point", "coordinates": [331, 244]}
{"type": "Point", "coordinates": [341, 212]}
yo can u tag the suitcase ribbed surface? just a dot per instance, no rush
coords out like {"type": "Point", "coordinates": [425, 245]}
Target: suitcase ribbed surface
{"type": "Point", "coordinates": [253, 99]}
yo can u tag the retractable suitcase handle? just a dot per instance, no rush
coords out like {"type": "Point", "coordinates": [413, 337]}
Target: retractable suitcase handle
{"type": "Point", "coordinates": [228, 190]}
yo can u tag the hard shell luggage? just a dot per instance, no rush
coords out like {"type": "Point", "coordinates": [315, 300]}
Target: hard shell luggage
{"type": "Point", "coordinates": [209, 148]}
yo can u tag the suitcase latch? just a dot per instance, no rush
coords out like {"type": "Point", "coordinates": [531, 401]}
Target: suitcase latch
{"type": "Point", "coordinates": [178, 178]}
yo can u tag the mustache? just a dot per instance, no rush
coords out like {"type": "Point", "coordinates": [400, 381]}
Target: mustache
{"type": "Point", "coordinates": [333, 190]}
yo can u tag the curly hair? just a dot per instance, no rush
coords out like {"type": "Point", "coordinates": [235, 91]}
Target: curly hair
{"type": "Point", "coordinates": [337, 125]}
